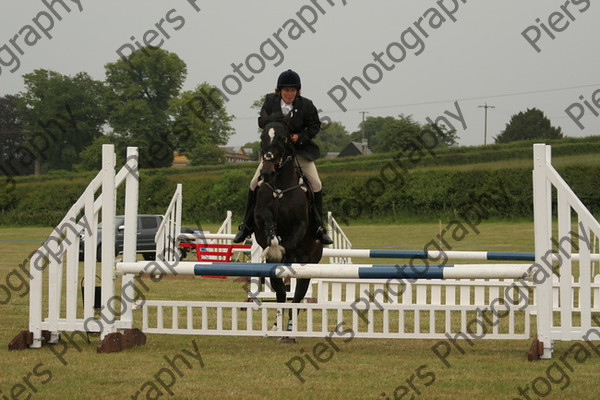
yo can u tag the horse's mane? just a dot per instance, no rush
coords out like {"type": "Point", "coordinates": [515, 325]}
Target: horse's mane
{"type": "Point", "coordinates": [275, 117]}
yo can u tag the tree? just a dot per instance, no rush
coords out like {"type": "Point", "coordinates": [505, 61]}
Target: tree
{"type": "Point", "coordinates": [257, 105]}
{"type": "Point", "coordinates": [200, 117]}
{"type": "Point", "coordinates": [387, 134]}
{"type": "Point", "coordinates": [445, 137]}
{"type": "Point", "coordinates": [255, 147]}
{"type": "Point", "coordinates": [61, 116]}
{"type": "Point", "coordinates": [12, 141]}
{"type": "Point", "coordinates": [332, 138]}
{"type": "Point", "coordinates": [206, 153]}
{"type": "Point", "coordinates": [140, 91]}
{"type": "Point", "coordinates": [369, 129]}
{"type": "Point", "coordinates": [91, 156]}
{"type": "Point", "coordinates": [531, 124]}
{"type": "Point", "coordinates": [396, 134]}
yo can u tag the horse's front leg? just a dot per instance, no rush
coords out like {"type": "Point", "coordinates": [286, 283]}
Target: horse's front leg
{"type": "Point", "coordinates": [266, 234]}
{"type": "Point", "coordinates": [302, 286]}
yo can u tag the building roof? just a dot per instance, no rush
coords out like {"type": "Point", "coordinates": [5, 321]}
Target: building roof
{"type": "Point", "coordinates": [234, 154]}
{"type": "Point", "coordinates": [355, 149]}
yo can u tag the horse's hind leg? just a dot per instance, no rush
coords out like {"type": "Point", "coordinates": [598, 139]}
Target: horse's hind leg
{"type": "Point", "coordinates": [301, 289]}
{"type": "Point", "coordinates": [302, 286]}
{"type": "Point", "coordinates": [280, 294]}
{"type": "Point", "coordinates": [279, 288]}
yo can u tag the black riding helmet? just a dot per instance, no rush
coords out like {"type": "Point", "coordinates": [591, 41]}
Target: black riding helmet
{"type": "Point", "coordinates": [289, 78]}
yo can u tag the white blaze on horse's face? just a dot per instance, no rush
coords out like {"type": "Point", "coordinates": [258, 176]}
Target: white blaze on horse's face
{"type": "Point", "coordinates": [272, 134]}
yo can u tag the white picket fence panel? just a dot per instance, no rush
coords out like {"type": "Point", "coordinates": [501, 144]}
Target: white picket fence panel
{"type": "Point", "coordinates": [395, 321]}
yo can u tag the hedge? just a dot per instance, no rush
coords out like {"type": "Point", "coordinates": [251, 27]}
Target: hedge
{"type": "Point", "coordinates": [378, 188]}
{"type": "Point", "coordinates": [415, 195]}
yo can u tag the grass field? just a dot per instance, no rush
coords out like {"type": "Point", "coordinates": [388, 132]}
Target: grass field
{"type": "Point", "coordinates": [255, 368]}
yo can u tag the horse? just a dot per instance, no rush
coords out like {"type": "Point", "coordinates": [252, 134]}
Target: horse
{"type": "Point", "coordinates": [282, 215]}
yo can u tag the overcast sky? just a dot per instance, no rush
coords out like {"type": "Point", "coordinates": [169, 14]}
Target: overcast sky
{"type": "Point", "coordinates": [416, 57]}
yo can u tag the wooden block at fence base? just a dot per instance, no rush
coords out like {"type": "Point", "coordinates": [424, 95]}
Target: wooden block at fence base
{"type": "Point", "coordinates": [133, 337]}
{"type": "Point", "coordinates": [46, 335]}
{"type": "Point", "coordinates": [112, 343]}
{"type": "Point", "coordinates": [21, 341]}
{"type": "Point", "coordinates": [536, 350]}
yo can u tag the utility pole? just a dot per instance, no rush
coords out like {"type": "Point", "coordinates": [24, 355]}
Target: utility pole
{"type": "Point", "coordinates": [365, 142]}
{"type": "Point", "coordinates": [485, 122]}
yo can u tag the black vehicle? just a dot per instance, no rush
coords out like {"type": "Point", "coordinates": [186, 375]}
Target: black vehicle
{"type": "Point", "coordinates": [147, 227]}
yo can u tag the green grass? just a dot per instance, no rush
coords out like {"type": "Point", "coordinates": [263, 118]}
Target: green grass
{"type": "Point", "coordinates": [255, 368]}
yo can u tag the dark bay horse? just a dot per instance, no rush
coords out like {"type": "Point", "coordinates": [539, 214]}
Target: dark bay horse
{"type": "Point", "coordinates": [282, 220]}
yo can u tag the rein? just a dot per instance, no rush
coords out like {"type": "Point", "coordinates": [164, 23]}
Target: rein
{"type": "Point", "coordinates": [269, 157]}
{"type": "Point", "coordinates": [278, 193]}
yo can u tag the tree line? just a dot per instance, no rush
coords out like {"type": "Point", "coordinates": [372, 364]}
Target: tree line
{"type": "Point", "coordinates": [60, 122]}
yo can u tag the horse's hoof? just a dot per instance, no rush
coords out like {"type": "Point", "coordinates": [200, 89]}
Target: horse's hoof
{"type": "Point", "coordinates": [287, 340]}
{"type": "Point", "coordinates": [273, 329]}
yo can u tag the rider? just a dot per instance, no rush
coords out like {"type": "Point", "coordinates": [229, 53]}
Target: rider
{"type": "Point", "coordinates": [304, 125]}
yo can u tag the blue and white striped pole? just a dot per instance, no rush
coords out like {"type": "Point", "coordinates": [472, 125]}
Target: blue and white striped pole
{"type": "Point", "coordinates": [444, 255]}
{"type": "Point", "coordinates": [430, 254]}
{"type": "Point", "coordinates": [332, 271]}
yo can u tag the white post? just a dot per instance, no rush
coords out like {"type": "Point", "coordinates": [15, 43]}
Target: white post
{"type": "Point", "coordinates": [55, 268]}
{"type": "Point", "coordinates": [89, 252]}
{"type": "Point", "coordinates": [168, 232]}
{"type": "Point", "coordinates": [72, 275]}
{"type": "Point", "coordinates": [585, 279]}
{"type": "Point", "coordinates": [130, 234]}
{"type": "Point", "coordinates": [566, 267]}
{"type": "Point", "coordinates": [542, 216]}
{"type": "Point", "coordinates": [228, 222]}
{"type": "Point", "coordinates": [36, 263]}
{"type": "Point", "coordinates": [109, 200]}
{"type": "Point", "coordinates": [177, 228]}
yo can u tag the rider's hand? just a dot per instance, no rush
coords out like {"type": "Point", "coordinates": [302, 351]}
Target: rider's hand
{"type": "Point", "coordinates": [294, 137]}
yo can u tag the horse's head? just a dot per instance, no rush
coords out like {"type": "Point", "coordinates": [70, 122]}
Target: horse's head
{"type": "Point", "coordinates": [275, 145]}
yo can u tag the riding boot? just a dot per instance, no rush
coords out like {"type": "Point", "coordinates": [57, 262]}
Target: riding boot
{"type": "Point", "coordinates": [321, 233]}
{"type": "Point", "coordinates": [247, 226]}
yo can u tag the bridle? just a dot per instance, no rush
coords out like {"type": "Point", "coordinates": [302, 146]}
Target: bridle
{"type": "Point", "coordinates": [283, 160]}
{"type": "Point", "coordinates": [269, 156]}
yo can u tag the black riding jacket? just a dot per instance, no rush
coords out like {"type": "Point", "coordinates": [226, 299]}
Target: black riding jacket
{"type": "Point", "coordinates": [304, 122]}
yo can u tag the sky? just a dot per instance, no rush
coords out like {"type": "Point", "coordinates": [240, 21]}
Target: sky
{"type": "Point", "coordinates": [357, 59]}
